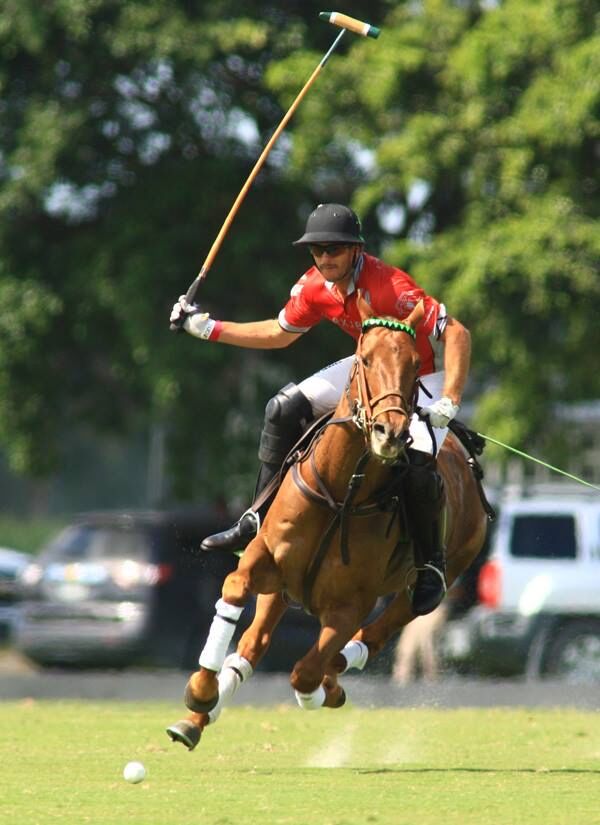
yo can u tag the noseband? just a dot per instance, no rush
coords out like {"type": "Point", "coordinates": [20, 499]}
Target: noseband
{"type": "Point", "coordinates": [363, 407]}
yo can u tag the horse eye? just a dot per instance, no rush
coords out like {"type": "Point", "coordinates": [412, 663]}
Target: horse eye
{"type": "Point", "coordinates": [366, 362]}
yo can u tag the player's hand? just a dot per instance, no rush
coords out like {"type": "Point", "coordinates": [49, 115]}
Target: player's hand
{"type": "Point", "coordinates": [441, 412]}
{"type": "Point", "coordinates": [191, 318]}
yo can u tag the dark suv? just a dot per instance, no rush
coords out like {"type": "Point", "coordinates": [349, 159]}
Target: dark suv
{"type": "Point", "coordinates": [115, 589]}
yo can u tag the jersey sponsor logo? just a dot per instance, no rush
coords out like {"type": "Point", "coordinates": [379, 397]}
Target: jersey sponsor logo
{"type": "Point", "coordinates": [347, 323]}
{"type": "Point", "coordinates": [406, 302]}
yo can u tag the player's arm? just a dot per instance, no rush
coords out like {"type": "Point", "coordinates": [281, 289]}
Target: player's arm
{"type": "Point", "coordinates": [267, 334]}
{"type": "Point", "coordinates": [457, 359]}
{"type": "Point", "coordinates": [257, 334]}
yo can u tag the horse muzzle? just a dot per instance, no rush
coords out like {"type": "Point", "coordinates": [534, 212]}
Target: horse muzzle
{"type": "Point", "coordinates": [387, 442]}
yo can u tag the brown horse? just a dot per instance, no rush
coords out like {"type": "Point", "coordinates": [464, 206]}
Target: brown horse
{"type": "Point", "coordinates": [337, 559]}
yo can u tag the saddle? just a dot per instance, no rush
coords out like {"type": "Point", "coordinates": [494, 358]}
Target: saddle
{"type": "Point", "coordinates": [473, 443]}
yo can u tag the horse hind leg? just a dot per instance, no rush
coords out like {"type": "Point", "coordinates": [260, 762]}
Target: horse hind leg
{"type": "Point", "coordinates": [313, 680]}
{"type": "Point", "coordinates": [353, 656]}
{"type": "Point", "coordinates": [369, 640]}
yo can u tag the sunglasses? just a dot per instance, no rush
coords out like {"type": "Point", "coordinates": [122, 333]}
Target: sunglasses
{"type": "Point", "coordinates": [332, 249]}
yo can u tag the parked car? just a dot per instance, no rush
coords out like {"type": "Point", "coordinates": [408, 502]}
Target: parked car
{"type": "Point", "coordinates": [538, 593]}
{"type": "Point", "coordinates": [115, 589]}
{"type": "Point", "coordinates": [12, 563]}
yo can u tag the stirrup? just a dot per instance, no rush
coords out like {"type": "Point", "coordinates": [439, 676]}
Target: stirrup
{"type": "Point", "coordinates": [428, 601]}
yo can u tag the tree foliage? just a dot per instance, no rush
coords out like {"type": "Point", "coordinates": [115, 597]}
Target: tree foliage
{"type": "Point", "coordinates": [467, 136]}
{"type": "Point", "coordinates": [484, 127]}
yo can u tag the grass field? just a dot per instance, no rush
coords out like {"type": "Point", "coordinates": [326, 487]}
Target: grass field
{"type": "Point", "coordinates": [61, 762]}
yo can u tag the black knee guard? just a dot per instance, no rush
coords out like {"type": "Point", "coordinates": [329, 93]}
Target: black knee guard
{"type": "Point", "coordinates": [286, 417]}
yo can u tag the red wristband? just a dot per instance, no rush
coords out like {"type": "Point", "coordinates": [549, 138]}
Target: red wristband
{"type": "Point", "coordinates": [216, 331]}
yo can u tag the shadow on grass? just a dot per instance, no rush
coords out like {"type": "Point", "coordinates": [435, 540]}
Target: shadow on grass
{"type": "Point", "coordinates": [482, 770]}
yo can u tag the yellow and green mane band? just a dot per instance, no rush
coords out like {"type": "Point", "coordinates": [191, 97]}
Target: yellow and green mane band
{"type": "Point", "coordinates": [388, 324]}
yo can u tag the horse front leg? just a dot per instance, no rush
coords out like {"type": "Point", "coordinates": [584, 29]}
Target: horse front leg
{"type": "Point", "coordinates": [312, 679]}
{"type": "Point", "coordinates": [256, 573]}
{"type": "Point", "coordinates": [237, 668]}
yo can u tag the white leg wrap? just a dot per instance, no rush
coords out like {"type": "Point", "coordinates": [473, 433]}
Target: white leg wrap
{"type": "Point", "coordinates": [220, 635]}
{"type": "Point", "coordinates": [311, 701]}
{"type": "Point", "coordinates": [237, 662]}
{"type": "Point", "coordinates": [356, 654]}
{"type": "Point", "coordinates": [235, 670]}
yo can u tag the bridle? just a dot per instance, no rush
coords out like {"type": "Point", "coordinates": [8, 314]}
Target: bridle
{"type": "Point", "coordinates": [364, 413]}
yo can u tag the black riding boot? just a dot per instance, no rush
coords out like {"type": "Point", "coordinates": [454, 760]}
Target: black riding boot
{"type": "Point", "coordinates": [286, 418]}
{"type": "Point", "coordinates": [239, 535]}
{"type": "Point", "coordinates": [424, 499]}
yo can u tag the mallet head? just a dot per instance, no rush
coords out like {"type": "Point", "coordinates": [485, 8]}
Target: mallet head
{"type": "Point", "coordinates": [350, 23]}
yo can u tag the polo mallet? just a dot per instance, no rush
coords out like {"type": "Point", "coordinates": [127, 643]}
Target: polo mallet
{"type": "Point", "coordinates": [346, 24]}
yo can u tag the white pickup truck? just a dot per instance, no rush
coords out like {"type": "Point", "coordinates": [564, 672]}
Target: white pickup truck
{"type": "Point", "coordinates": [538, 610]}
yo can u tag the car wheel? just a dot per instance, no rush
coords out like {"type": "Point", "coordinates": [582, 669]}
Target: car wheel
{"type": "Point", "coordinates": [574, 654]}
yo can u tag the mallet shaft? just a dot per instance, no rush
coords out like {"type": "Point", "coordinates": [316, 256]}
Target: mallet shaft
{"type": "Point", "coordinates": [345, 23]}
{"type": "Point", "coordinates": [251, 177]}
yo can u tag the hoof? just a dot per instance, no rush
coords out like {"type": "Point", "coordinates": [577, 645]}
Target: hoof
{"type": "Point", "coordinates": [335, 695]}
{"type": "Point", "coordinates": [195, 704]}
{"type": "Point", "coordinates": [184, 732]}
{"type": "Point", "coordinates": [341, 699]}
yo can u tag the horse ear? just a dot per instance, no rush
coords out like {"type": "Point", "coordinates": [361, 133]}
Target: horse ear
{"type": "Point", "coordinates": [416, 316]}
{"type": "Point", "coordinates": [364, 309]}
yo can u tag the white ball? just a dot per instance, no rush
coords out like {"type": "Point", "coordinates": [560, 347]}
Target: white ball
{"type": "Point", "coordinates": [134, 772]}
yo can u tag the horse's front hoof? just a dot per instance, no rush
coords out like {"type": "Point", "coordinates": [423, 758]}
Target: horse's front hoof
{"type": "Point", "coordinates": [184, 732]}
{"type": "Point", "coordinates": [335, 695]}
{"type": "Point", "coordinates": [195, 704]}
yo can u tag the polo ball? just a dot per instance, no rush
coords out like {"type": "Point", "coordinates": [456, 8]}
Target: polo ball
{"type": "Point", "coordinates": [134, 772]}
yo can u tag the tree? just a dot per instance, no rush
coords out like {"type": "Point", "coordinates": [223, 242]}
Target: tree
{"type": "Point", "coordinates": [127, 129]}
{"type": "Point", "coordinates": [482, 123]}
{"type": "Point", "coordinates": [466, 136]}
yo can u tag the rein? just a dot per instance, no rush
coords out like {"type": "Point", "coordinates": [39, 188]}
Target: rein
{"type": "Point", "coordinates": [364, 418]}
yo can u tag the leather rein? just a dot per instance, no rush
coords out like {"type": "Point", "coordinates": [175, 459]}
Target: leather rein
{"type": "Point", "coordinates": [364, 415]}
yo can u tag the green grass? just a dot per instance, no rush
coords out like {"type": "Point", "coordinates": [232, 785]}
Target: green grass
{"type": "Point", "coordinates": [61, 762]}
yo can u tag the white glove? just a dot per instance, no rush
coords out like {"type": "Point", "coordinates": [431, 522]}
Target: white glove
{"type": "Point", "coordinates": [197, 323]}
{"type": "Point", "coordinates": [441, 412]}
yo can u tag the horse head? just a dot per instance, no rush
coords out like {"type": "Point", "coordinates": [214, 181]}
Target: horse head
{"type": "Point", "coordinates": [382, 385]}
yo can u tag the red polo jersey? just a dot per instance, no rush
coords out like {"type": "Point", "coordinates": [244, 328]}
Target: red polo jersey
{"type": "Point", "coordinates": [389, 291]}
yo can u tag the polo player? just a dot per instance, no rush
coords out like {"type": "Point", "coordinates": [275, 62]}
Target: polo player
{"type": "Point", "coordinates": [329, 290]}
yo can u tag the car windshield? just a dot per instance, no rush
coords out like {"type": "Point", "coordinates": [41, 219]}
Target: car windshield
{"type": "Point", "coordinates": [543, 537]}
{"type": "Point", "coordinates": [88, 543]}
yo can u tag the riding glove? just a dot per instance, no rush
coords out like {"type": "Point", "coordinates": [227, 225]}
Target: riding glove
{"type": "Point", "coordinates": [197, 323]}
{"type": "Point", "coordinates": [441, 411]}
